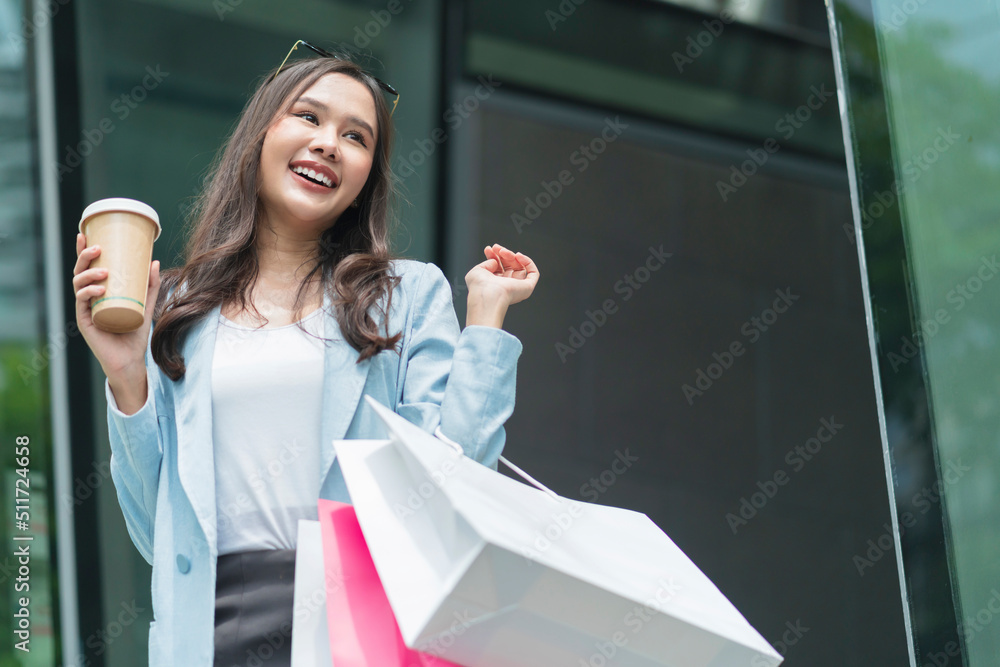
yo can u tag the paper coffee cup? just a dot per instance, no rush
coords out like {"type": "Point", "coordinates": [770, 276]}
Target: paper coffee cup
{"type": "Point", "coordinates": [125, 229]}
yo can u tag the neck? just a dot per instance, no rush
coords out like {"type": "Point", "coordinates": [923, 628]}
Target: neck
{"type": "Point", "coordinates": [286, 257]}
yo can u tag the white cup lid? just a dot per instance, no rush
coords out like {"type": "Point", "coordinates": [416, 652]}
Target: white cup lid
{"type": "Point", "coordinates": [121, 204]}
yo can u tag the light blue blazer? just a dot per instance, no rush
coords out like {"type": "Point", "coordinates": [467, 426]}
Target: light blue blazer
{"type": "Point", "coordinates": [162, 460]}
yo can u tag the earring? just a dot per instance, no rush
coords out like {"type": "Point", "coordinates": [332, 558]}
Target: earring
{"type": "Point", "coordinates": [355, 204]}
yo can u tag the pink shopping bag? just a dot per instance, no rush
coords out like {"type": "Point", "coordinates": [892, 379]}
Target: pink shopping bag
{"type": "Point", "coordinates": [363, 629]}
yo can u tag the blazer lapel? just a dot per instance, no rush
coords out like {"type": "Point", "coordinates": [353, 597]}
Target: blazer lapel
{"type": "Point", "coordinates": [343, 382]}
{"type": "Point", "coordinates": [193, 404]}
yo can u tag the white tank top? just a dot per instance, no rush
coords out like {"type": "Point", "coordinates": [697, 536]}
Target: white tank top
{"type": "Point", "coordinates": [267, 387]}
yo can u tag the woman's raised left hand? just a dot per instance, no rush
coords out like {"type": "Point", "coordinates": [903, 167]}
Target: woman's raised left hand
{"type": "Point", "coordinates": [504, 278]}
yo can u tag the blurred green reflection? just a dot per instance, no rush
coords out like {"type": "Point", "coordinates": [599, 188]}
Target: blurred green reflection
{"type": "Point", "coordinates": [943, 88]}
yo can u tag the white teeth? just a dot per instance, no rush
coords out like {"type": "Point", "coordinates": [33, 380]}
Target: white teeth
{"type": "Point", "coordinates": [328, 182]}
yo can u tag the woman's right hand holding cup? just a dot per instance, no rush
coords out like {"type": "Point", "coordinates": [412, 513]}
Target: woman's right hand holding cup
{"type": "Point", "coordinates": [122, 355]}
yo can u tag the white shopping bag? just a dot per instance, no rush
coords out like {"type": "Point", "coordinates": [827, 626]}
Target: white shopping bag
{"type": "Point", "coordinates": [485, 571]}
{"type": "Point", "coordinates": [310, 632]}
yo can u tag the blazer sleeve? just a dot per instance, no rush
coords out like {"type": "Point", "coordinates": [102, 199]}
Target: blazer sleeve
{"type": "Point", "coordinates": [136, 453]}
{"type": "Point", "coordinates": [462, 382]}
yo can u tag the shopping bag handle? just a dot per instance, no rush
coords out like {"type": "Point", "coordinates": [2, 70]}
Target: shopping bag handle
{"type": "Point", "coordinates": [439, 434]}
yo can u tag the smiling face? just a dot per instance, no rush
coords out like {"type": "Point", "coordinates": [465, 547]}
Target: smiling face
{"type": "Point", "coordinates": [317, 156]}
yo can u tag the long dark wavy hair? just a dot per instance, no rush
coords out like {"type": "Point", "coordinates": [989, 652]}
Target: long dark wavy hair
{"type": "Point", "coordinates": [220, 256]}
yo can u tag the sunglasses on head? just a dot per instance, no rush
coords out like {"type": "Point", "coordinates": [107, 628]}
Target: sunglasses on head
{"type": "Point", "coordinates": [326, 54]}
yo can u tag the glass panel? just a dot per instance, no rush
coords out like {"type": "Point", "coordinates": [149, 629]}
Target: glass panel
{"type": "Point", "coordinates": [921, 81]}
{"type": "Point", "coordinates": [25, 485]}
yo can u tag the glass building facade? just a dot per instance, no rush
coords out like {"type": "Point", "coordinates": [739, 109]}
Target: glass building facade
{"type": "Point", "coordinates": [919, 80]}
{"type": "Point", "coordinates": [729, 300]}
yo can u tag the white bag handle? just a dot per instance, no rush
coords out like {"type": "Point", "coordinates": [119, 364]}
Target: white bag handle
{"type": "Point", "coordinates": [439, 434]}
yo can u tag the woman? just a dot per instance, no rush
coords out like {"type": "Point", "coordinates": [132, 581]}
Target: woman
{"type": "Point", "coordinates": [288, 308]}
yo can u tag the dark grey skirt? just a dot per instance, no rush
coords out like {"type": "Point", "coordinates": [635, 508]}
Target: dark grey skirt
{"type": "Point", "coordinates": [253, 608]}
